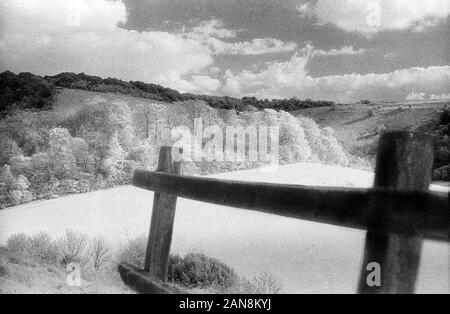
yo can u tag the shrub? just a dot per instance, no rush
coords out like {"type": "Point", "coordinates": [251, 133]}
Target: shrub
{"type": "Point", "coordinates": [200, 271]}
{"type": "Point", "coordinates": [261, 283]}
{"type": "Point", "coordinates": [43, 248]}
{"type": "Point", "coordinates": [134, 252]}
{"type": "Point", "coordinates": [19, 243]}
{"type": "Point", "coordinates": [192, 271]}
{"type": "Point", "coordinates": [99, 251]}
{"type": "Point", "coordinates": [71, 247]}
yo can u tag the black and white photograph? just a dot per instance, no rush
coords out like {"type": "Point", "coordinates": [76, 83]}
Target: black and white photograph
{"type": "Point", "coordinates": [227, 152]}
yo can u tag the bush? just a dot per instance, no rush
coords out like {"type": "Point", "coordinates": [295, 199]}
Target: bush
{"type": "Point", "coordinates": [134, 252]}
{"type": "Point", "coordinates": [263, 283]}
{"type": "Point", "coordinates": [191, 272]}
{"type": "Point", "coordinates": [200, 271]}
{"type": "Point", "coordinates": [99, 252]}
{"type": "Point", "coordinates": [71, 247]}
{"type": "Point", "coordinates": [19, 243]}
{"type": "Point", "coordinates": [43, 248]}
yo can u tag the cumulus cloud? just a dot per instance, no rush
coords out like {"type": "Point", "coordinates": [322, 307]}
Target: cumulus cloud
{"type": "Point", "coordinates": [291, 78]}
{"type": "Point", "coordinates": [49, 37]}
{"type": "Point", "coordinates": [416, 96]}
{"type": "Point", "coordinates": [310, 51]}
{"type": "Point", "coordinates": [257, 46]}
{"type": "Point", "coordinates": [211, 34]}
{"type": "Point", "coordinates": [212, 28]}
{"type": "Point", "coordinates": [440, 97]}
{"type": "Point", "coordinates": [371, 16]}
{"type": "Point", "coordinates": [346, 50]}
{"type": "Point", "coordinates": [201, 84]}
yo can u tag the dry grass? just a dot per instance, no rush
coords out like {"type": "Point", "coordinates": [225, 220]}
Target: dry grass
{"type": "Point", "coordinates": [26, 275]}
{"type": "Point", "coordinates": [357, 126]}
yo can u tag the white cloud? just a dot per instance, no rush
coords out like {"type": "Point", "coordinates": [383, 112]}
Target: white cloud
{"type": "Point", "coordinates": [305, 9]}
{"type": "Point", "coordinates": [212, 28]}
{"type": "Point", "coordinates": [57, 17]}
{"type": "Point", "coordinates": [201, 84]}
{"type": "Point", "coordinates": [211, 33]}
{"type": "Point", "coordinates": [51, 36]}
{"type": "Point", "coordinates": [371, 16]}
{"type": "Point", "coordinates": [291, 78]}
{"type": "Point", "coordinates": [48, 37]}
{"type": "Point", "coordinates": [414, 96]}
{"type": "Point", "coordinates": [440, 97]}
{"type": "Point", "coordinates": [257, 46]}
{"type": "Point", "coordinates": [345, 50]}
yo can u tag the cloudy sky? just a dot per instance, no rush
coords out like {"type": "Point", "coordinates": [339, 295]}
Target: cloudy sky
{"type": "Point", "coordinates": [342, 50]}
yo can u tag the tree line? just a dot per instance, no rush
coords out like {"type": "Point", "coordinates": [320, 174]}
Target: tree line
{"type": "Point", "coordinates": [27, 90]}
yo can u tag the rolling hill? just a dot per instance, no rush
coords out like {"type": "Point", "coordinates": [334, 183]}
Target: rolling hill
{"type": "Point", "coordinates": [357, 126]}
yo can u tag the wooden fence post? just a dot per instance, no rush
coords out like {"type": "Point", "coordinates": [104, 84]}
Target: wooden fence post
{"type": "Point", "coordinates": [404, 164]}
{"type": "Point", "coordinates": [163, 216]}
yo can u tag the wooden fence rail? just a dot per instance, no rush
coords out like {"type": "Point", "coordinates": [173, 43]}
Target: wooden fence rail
{"type": "Point", "coordinates": [398, 213]}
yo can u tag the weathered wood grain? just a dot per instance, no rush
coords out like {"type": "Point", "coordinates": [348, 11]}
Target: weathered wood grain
{"type": "Point", "coordinates": [163, 216]}
{"type": "Point", "coordinates": [144, 283]}
{"type": "Point", "coordinates": [337, 206]}
{"type": "Point", "coordinates": [404, 164]}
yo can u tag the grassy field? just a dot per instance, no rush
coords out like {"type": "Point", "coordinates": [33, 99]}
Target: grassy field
{"type": "Point", "coordinates": [357, 126]}
{"type": "Point", "coordinates": [71, 100]}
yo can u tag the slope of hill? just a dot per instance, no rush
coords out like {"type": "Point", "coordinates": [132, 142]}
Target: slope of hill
{"type": "Point", "coordinates": [307, 257]}
{"type": "Point", "coordinates": [358, 126]}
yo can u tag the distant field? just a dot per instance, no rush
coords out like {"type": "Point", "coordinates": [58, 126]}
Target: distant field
{"type": "Point", "coordinates": [70, 100]}
{"type": "Point", "coordinates": [357, 126]}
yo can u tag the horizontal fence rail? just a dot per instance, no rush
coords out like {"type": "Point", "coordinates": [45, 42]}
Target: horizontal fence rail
{"type": "Point", "coordinates": [398, 213]}
{"type": "Point", "coordinates": [345, 207]}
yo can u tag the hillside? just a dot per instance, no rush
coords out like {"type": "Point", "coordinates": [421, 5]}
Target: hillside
{"type": "Point", "coordinates": [357, 126]}
{"type": "Point", "coordinates": [307, 257]}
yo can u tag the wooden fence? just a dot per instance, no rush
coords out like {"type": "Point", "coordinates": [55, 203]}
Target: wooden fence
{"type": "Point", "coordinates": [399, 212]}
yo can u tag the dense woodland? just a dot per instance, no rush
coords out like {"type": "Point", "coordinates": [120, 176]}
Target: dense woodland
{"type": "Point", "coordinates": [26, 90]}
